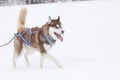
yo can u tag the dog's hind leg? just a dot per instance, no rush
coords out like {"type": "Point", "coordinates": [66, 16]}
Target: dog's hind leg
{"type": "Point", "coordinates": [26, 59]}
{"type": "Point", "coordinates": [17, 50]}
{"type": "Point", "coordinates": [27, 53]}
{"type": "Point", "coordinates": [15, 57]}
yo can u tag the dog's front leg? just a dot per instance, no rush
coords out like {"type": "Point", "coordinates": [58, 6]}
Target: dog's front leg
{"type": "Point", "coordinates": [52, 58]}
{"type": "Point", "coordinates": [42, 60]}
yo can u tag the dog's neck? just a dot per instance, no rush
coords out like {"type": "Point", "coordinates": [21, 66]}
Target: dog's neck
{"type": "Point", "coordinates": [45, 29]}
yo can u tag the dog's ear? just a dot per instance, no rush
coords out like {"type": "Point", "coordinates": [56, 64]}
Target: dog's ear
{"type": "Point", "coordinates": [49, 19]}
{"type": "Point", "coordinates": [58, 17]}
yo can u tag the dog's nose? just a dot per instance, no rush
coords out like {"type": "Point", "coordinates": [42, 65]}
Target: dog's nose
{"type": "Point", "coordinates": [62, 32]}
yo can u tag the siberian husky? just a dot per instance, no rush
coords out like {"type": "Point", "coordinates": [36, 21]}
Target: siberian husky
{"type": "Point", "coordinates": [29, 40]}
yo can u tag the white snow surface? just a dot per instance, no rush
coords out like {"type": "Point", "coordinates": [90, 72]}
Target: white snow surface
{"type": "Point", "coordinates": [91, 46]}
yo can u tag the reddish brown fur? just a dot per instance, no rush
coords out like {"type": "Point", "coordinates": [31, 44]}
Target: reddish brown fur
{"type": "Point", "coordinates": [37, 39]}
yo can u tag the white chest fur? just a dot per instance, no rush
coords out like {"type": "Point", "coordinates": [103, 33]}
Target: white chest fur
{"type": "Point", "coordinates": [47, 47]}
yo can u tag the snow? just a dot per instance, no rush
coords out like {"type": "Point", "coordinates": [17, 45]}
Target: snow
{"type": "Point", "coordinates": [91, 46]}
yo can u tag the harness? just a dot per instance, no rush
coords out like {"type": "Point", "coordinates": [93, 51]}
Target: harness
{"type": "Point", "coordinates": [48, 39]}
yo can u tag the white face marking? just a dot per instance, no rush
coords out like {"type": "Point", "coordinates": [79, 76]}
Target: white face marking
{"type": "Point", "coordinates": [52, 30]}
{"type": "Point", "coordinates": [57, 26]}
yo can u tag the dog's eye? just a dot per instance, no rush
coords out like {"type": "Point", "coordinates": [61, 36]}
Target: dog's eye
{"type": "Point", "coordinates": [57, 27]}
{"type": "Point", "coordinates": [61, 25]}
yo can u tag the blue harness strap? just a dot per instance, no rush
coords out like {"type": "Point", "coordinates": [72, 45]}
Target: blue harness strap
{"type": "Point", "coordinates": [48, 39]}
{"type": "Point", "coordinates": [28, 42]}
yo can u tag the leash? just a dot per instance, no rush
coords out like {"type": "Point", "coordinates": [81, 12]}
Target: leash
{"type": "Point", "coordinates": [9, 41]}
{"type": "Point", "coordinates": [28, 42]}
{"type": "Point", "coordinates": [48, 39]}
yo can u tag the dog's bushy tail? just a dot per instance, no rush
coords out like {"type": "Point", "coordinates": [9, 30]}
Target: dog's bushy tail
{"type": "Point", "coordinates": [22, 18]}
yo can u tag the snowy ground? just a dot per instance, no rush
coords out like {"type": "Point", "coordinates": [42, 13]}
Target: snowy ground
{"type": "Point", "coordinates": [91, 47]}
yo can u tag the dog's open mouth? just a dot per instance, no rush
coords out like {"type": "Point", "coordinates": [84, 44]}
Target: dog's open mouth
{"type": "Point", "coordinates": [58, 36]}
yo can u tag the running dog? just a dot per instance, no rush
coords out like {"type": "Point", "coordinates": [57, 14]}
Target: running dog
{"type": "Point", "coordinates": [29, 40]}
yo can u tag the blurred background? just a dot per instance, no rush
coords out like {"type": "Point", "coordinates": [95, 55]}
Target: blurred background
{"type": "Point", "coordinates": [27, 2]}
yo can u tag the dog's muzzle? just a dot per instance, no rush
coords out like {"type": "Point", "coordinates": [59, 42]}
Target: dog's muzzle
{"type": "Point", "coordinates": [62, 31]}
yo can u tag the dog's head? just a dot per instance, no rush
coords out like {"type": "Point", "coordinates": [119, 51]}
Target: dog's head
{"type": "Point", "coordinates": [55, 28]}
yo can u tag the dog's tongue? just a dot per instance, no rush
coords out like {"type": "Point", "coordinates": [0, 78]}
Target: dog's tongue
{"type": "Point", "coordinates": [60, 37]}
